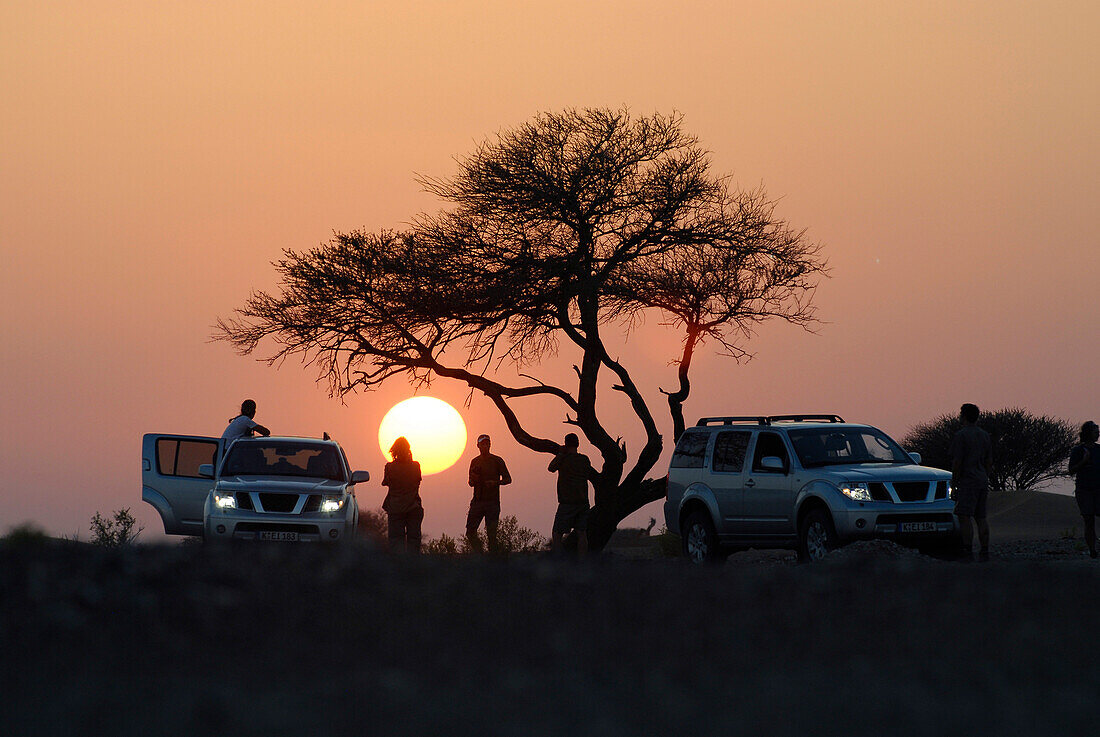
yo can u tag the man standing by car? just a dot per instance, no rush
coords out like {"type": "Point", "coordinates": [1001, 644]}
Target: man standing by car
{"type": "Point", "coordinates": [487, 474]}
{"type": "Point", "coordinates": [971, 460]}
{"type": "Point", "coordinates": [573, 470]}
{"type": "Point", "coordinates": [244, 424]}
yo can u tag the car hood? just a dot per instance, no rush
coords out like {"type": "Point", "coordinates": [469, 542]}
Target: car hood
{"type": "Point", "coordinates": [867, 472]}
{"type": "Point", "coordinates": [281, 484]}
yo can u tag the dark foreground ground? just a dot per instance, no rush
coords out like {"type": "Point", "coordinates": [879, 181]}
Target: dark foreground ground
{"type": "Point", "coordinates": [301, 641]}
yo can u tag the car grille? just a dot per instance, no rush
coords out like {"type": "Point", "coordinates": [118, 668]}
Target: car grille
{"type": "Point", "coordinates": [890, 519]}
{"type": "Point", "coordinates": [879, 492]}
{"type": "Point", "coordinates": [941, 489]}
{"type": "Point", "coordinates": [244, 500]}
{"type": "Point", "coordinates": [911, 491]}
{"type": "Point", "coordinates": [313, 504]}
{"type": "Point", "coordinates": [266, 527]}
{"type": "Point", "coordinates": [278, 502]}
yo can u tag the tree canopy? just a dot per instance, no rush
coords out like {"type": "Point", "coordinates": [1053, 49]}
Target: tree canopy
{"type": "Point", "coordinates": [570, 223]}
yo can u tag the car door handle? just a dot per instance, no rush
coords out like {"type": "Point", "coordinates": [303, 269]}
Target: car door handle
{"type": "Point", "coordinates": [750, 483]}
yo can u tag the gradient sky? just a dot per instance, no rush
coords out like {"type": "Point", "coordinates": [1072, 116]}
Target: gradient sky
{"type": "Point", "coordinates": [155, 157]}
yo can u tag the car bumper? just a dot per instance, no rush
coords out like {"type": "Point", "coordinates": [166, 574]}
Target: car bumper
{"type": "Point", "coordinates": [254, 526]}
{"type": "Point", "coordinates": [908, 521]}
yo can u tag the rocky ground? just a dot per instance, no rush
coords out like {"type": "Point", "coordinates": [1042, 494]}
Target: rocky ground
{"type": "Point", "coordinates": [182, 640]}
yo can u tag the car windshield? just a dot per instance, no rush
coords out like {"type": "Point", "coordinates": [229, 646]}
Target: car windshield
{"type": "Point", "coordinates": [827, 446]}
{"type": "Point", "coordinates": [280, 458]}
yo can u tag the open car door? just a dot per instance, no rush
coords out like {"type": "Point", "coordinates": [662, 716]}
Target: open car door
{"type": "Point", "coordinates": [170, 478]}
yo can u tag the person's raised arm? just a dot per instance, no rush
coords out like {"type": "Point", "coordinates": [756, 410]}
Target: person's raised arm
{"type": "Point", "coordinates": [257, 427]}
{"type": "Point", "coordinates": [555, 463]}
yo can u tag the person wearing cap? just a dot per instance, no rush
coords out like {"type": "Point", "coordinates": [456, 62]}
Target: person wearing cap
{"type": "Point", "coordinates": [1084, 463]}
{"type": "Point", "coordinates": [573, 469]}
{"type": "Point", "coordinates": [488, 473]}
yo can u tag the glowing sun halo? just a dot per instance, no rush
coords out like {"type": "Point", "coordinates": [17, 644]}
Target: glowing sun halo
{"type": "Point", "coordinates": [434, 428]}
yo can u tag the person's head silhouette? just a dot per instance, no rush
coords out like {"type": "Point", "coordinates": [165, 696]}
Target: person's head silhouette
{"type": "Point", "coordinates": [401, 450]}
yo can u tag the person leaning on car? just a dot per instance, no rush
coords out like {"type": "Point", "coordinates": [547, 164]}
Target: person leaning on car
{"type": "Point", "coordinates": [573, 470]}
{"type": "Point", "coordinates": [244, 424]}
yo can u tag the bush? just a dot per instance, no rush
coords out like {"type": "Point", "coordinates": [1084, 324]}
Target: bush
{"type": "Point", "coordinates": [511, 538]}
{"type": "Point", "coordinates": [374, 525]}
{"type": "Point", "coordinates": [110, 532]}
{"type": "Point", "coordinates": [1028, 450]}
{"type": "Point", "coordinates": [669, 543]}
{"type": "Point", "coordinates": [25, 534]}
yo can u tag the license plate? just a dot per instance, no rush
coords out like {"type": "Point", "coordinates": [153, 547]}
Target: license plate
{"type": "Point", "coordinates": [917, 527]}
{"type": "Point", "coordinates": [280, 536]}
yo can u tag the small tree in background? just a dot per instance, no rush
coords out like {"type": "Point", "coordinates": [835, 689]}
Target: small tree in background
{"type": "Point", "coordinates": [110, 532]}
{"type": "Point", "coordinates": [1028, 450]}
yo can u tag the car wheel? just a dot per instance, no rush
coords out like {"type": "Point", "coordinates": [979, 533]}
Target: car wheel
{"type": "Point", "coordinates": [816, 536]}
{"type": "Point", "coordinates": [700, 539]}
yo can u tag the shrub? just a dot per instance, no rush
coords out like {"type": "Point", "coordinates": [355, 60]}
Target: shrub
{"type": "Point", "coordinates": [442, 545]}
{"type": "Point", "coordinates": [1028, 450]}
{"type": "Point", "coordinates": [25, 534]}
{"type": "Point", "coordinates": [110, 532]}
{"type": "Point", "coordinates": [512, 537]}
{"type": "Point", "coordinates": [373, 525]}
{"type": "Point", "coordinates": [669, 543]}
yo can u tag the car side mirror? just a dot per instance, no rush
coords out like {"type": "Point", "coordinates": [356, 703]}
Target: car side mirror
{"type": "Point", "coordinates": [772, 463]}
{"type": "Point", "coordinates": [916, 458]}
{"type": "Point", "coordinates": [206, 470]}
{"type": "Point", "coordinates": [360, 477]}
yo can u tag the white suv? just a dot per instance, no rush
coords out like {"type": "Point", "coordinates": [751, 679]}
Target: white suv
{"type": "Point", "coordinates": [807, 482]}
{"type": "Point", "coordinates": [275, 488]}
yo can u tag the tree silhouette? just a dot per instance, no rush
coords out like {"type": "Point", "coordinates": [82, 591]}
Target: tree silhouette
{"type": "Point", "coordinates": [568, 224]}
{"type": "Point", "coordinates": [1028, 450]}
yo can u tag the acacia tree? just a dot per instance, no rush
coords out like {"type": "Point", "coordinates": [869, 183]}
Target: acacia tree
{"type": "Point", "coordinates": [573, 222]}
{"type": "Point", "coordinates": [1028, 450]}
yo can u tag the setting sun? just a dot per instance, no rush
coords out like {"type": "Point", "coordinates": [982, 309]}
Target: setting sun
{"type": "Point", "coordinates": [434, 428]}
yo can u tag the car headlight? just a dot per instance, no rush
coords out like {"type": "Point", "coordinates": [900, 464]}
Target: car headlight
{"type": "Point", "coordinates": [856, 492]}
{"type": "Point", "coordinates": [332, 503]}
{"type": "Point", "coordinates": [950, 490]}
{"type": "Point", "coordinates": [225, 500]}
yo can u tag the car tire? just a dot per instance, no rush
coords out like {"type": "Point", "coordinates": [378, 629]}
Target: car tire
{"type": "Point", "coordinates": [700, 540]}
{"type": "Point", "coordinates": [816, 536]}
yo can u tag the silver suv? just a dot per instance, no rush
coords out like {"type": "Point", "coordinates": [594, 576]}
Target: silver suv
{"type": "Point", "coordinates": [275, 488]}
{"type": "Point", "coordinates": [807, 482]}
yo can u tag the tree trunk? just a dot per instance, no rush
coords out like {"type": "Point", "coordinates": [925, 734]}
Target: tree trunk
{"type": "Point", "coordinates": [627, 498]}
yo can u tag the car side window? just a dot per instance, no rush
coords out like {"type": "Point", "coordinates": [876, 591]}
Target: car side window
{"type": "Point", "coordinates": [729, 451]}
{"type": "Point", "coordinates": [769, 444]}
{"type": "Point", "coordinates": [183, 457]}
{"type": "Point", "coordinates": [690, 450]}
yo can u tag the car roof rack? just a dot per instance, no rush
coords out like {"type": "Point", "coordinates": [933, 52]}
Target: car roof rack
{"type": "Point", "coordinates": [766, 420]}
{"type": "Point", "coordinates": [805, 418]}
{"type": "Point", "coordinates": [730, 420]}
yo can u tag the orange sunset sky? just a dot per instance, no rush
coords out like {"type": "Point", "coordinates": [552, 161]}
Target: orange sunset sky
{"type": "Point", "coordinates": [156, 157]}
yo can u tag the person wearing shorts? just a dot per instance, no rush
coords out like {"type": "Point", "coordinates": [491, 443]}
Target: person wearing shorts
{"type": "Point", "coordinates": [488, 473]}
{"type": "Point", "coordinates": [971, 460]}
{"type": "Point", "coordinates": [573, 469]}
{"type": "Point", "coordinates": [1084, 463]}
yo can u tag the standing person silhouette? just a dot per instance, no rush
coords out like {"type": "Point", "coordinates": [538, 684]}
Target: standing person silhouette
{"type": "Point", "coordinates": [1084, 462]}
{"type": "Point", "coordinates": [573, 469]}
{"type": "Point", "coordinates": [402, 503]}
{"type": "Point", "coordinates": [487, 474]}
{"type": "Point", "coordinates": [244, 424]}
{"type": "Point", "coordinates": [971, 461]}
